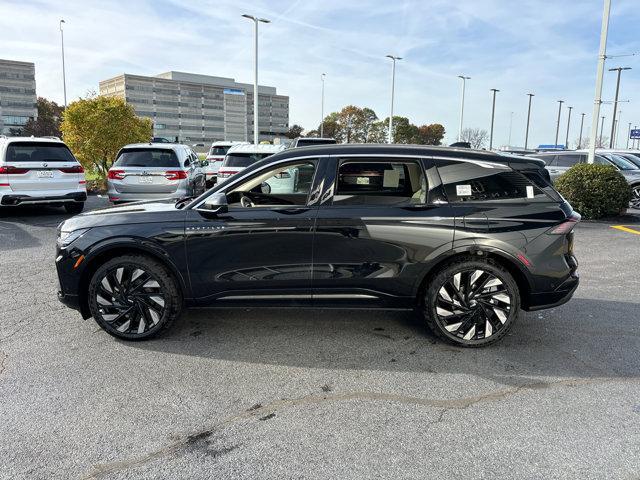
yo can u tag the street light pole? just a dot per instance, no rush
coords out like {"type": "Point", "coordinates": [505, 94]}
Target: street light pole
{"type": "Point", "coordinates": [601, 128]}
{"type": "Point", "coordinates": [64, 75]}
{"type": "Point", "coordinates": [581, 126]}
{"type": "Point", "coordinates": [393, 86]}
{"type": "Point", "coordinates": [628, 135]}
{"type": "Point", "coordinates": [615, 102]}
{"type": "Point", "coordinates": [602, 55]}
{"type": "Point", "coordinates": [464, 81]}
{"type": "Point", "coordinates": [510, 128]}
{"type": "Point", "coordinates": [566, 141]}
{"type": "Point", "coordinates": [256, 128]}
{"type": "Point", "coordinates": [322, 107]}
{"type": "Point", "coordinates": [615, 144]}
{"type": "Point", "coordinates": [560, 102]}
{"type": "Point", "coordinates": [493, 114]}
{"type": "Point", "coordinates": [526, 135]}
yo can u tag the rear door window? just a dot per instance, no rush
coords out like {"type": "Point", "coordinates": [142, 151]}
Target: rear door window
{"type": "Point", "coordinates": [567, 160]}
{"type": "Point", "coordinates": [38, 152]}
{"type": "Point", "coordinates": [147, 157]}
{"type": "Point", "coordinates": [487, 182]}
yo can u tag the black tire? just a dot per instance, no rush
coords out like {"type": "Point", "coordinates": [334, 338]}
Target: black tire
{"type": "Point", "coordinates": [131, 305]}
{"type": "Point", "coordinates": [635, 196]}
{"type": "Point", "coordinates": [74, 208]}
{"type": "Point", "coordinates": [480, 310]}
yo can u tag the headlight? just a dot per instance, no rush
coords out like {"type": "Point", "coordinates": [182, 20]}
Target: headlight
{"type": "Point", "coordinates": [67, 237]}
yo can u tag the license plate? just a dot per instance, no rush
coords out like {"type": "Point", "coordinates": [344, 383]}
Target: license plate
{"type": "Point", "coordinates": [44, 174]}
{"type": "Point", "coordinates": [145, 179]}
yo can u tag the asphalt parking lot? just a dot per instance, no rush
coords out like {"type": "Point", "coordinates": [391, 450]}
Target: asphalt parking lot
{"type": "Point", "coordinates": [327, 394]}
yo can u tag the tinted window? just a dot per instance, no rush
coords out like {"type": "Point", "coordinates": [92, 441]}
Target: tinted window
{"type": "Point", "coordinates": [301, 142]}
{"type": "Point", "coordinates": [548, 159]}
{"type": "Point", "coordinates": [567, 160]}
{"type": "Point", "coordinates": [218, 151]}
{"type": "Point", "coordinates": [147, 157]}
{"type": "Point", "coordinates": [468, 182]}
{"type": "Point", "coordinates": [632, 158]}
{"type": "Point", "coordinates": [38, 152]}
{"type": "Point", "coordinates": [622, 163]}
{"type": "Point", "coordinates": [243, 159]}
{"type": "Point", "coordinates": [380, 183]}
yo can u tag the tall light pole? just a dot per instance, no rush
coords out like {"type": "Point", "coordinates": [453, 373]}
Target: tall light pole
{"type": "Point", "coordinates": [566, 141]}
{"type": "Point", "coordinates": [526, 135]}
{"type": "Point", "coordinates": [615, 102]}
{"type": "Point", "coordinates": [464, 81]}
{"type": "Point", "coordinates": [601, 129]}
{"type": "Point", "coordinates": [256, 130]}
{"type": "Point", "coordinates": [615, 144]}
{"type": "Point", "coordinates": [493, 114]}
{"type": "Point", "coordinates": [602, 55]}
{"type": "Point", "coordinates": [64, 75]}
{"type": "Point", "coordinates": [628, 135]}
{"type": "Point", "coordinates": [581, 126]}
{"type": "Point", "coordinates": [393, 86]}
{"type": "Point", "coordinates": [560, 102]}
{"type": "Point", "coordinates": [510, 128]}
{"type": "Point", "coordinates": [322, 107]}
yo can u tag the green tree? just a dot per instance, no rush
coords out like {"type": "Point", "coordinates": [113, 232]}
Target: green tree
{"type": "Point", "coordinates": [95, 128]}
{"type": "Point", "coordinates": [430, 134]}
{"type": "Point", "coordinates": [403, 130]}
{"type": "Point", "coordinates": [295, 131]}
{"type": "Point", "coordinates": [48, 122]}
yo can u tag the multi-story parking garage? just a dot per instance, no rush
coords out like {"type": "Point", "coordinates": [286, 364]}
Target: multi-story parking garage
{"type": "Point", "coordinates": [17, 95]}
{"type": "Point", "coordinates": [190, 107]}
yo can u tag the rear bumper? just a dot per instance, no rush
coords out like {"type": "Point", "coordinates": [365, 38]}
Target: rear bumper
{"type": "Point", "coordinates": [13, 199]}
{"type": "Point", "coordinates": [136, 197]}
{"type": "Point", "coordinates": [560, 296]}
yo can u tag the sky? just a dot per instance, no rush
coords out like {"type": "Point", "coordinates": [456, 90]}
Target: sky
{"type": "Point", "coordinates": [549, 48]}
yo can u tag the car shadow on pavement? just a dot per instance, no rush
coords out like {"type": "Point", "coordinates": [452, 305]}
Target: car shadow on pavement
{"type": "Point", "coordinates": [585, 338]}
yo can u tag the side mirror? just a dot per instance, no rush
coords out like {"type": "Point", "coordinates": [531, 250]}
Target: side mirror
{"type": "Point", "coordinates": [265, 188]}
{"type": "Point", "coordinates": [215, 204]}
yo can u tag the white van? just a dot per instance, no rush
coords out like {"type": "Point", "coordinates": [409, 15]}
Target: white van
{"type": "Point", "coordinates": [240, 157]}
{"type": "Point", "coordinates": [39, 170]}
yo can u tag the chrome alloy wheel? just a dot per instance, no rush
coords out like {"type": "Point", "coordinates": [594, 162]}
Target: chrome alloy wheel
{"type": "Point", "coordinates": [473, 304]}
{"type": "Point", "coordinates": [635, 197]}
{"type": "Point", "coordinates": [130, 300]}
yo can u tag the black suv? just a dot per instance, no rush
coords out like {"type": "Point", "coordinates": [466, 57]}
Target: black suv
{"type": "Point", "coordinates": [466, 237]}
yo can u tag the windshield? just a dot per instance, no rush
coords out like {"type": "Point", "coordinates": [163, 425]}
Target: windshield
{"type": "Point", "coordinates": [39, 152]}
{"type": "Point", "coordinates": [243, 159]}
{"type": "Point", "coordinates": [622, 163]}
{"type": "Point", "coordinates": [219, 151]}
{"type": "Point", "coordinates": [147, 157]}
{"type": "Point", "coordinates": [633, 158]}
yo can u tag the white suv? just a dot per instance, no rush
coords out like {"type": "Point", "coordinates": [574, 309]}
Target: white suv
{"type": "Point", "coordinates": [40, 171]}
{"type": "Point", "coordinates": [215, 157]}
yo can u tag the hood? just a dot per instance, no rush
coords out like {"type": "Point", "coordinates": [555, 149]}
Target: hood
{"type": "Point", "coordinates": [136, 212]}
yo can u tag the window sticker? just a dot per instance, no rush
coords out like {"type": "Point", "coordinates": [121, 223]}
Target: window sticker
{"type": "Point", "coordinates": [463, 190]}
{"type": "Point", "coordinates": [530, 191]}
{"type": "Point", "coordinates": [391, 179]}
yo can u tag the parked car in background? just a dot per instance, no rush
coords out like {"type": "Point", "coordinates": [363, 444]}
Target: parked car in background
{"type": "Point", "coordinates": [309, 141]}
{"type": "Point", "coordinates": [40, 171]}
{"type": "Point", "coordinates": [240, 157]}
{"type": "Point", "coordinates": [429, 229]}
{"type": "Point", "coordinates": [215, 157]}
{"type": "Point", "coordinates": [160, 140]}
{"type": "Point", "coordinates": [147, 171]}
{"type": "Point", "coordinates": [558, 163]}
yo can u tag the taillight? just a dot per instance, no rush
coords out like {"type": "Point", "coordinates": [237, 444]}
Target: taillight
{"type": "Point", "coordinates": [74, 169]}
{"type": "Point", "coordinates": [566, 226]}
{"type": "Point", "coordinates": [115, 174]}
{"type": "Point", "coordinates": [175, 175]}
{"type": "Point", "coordinates": [9, 170]}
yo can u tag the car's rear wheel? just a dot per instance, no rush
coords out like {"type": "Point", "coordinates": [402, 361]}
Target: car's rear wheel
{"type": "Point", "coordinates": [134, 297]}
{"type": "Point", "coordinates": [635, 196]}
{"type": "Point", "coordinates": [74, 208]}
{"type": "Point", "coordinates": [472, 303]}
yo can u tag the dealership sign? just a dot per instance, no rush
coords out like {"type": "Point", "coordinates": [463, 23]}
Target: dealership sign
{"type": "Point", "coordinates": [635, 134]}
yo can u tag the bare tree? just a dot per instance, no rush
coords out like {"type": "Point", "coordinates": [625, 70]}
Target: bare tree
{"type": "Point", "coordinates": [476, 137]}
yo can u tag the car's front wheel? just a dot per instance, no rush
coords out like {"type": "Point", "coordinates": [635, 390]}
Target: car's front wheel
{"type": "Point", "coordinates": [635, 196]}
{"type": "Point", "coordinates": [472, 303]}
{"type": "Point", "coordinates": [134, 297]}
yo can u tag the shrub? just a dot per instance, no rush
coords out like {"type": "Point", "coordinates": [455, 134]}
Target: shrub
{"type": "Point", "coordinates": [595, 191]}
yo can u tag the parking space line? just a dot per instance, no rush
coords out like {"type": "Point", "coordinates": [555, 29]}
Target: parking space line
{"type": "Point", "coordinates": [626, 229]}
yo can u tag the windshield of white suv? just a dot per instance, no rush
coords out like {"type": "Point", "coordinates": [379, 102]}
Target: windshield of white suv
{"type": "Point", "coordinates": [38, 152]}
{"type": "Point", "coordinates": [147, 157]}
{"type": "Point", "coordinates": [243, 159]}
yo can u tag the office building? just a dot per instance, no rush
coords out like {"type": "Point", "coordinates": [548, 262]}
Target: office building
{"type": "Point", "coordinates": [18, 101]}
{"type": "Point", "coordinates": [193, 108]}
